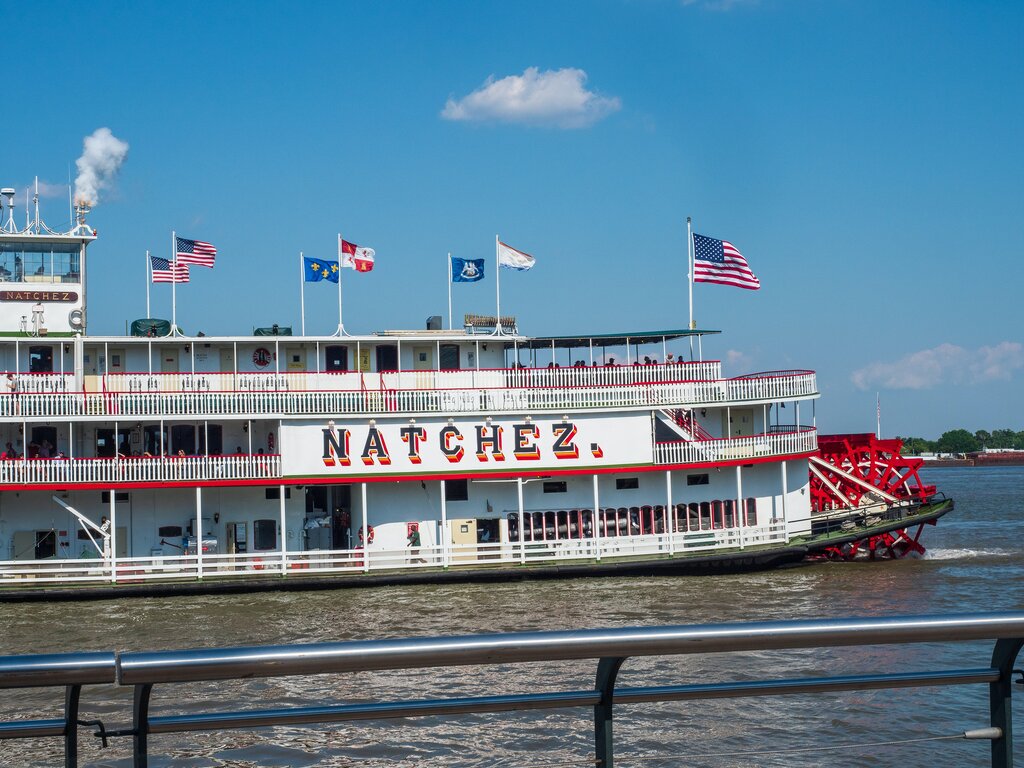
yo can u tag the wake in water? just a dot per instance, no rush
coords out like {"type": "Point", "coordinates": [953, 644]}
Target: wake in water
{"type": "Point", "coordinates": [965, 553]}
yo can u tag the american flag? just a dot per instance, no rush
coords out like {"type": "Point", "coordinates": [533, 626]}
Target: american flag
{"type": "Point", "coordinates": [165, 271]}
{"type": "Point", "coordinates": [718, 261]}
{"type": "Point", "coordinates": [194, 252]}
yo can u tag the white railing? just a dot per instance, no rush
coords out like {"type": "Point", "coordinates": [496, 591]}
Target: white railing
{"type": "Point", "coordinates": [490, 378]}
{"type": "Point", "coordinates": [724, 449]}
{"type": "Point", "coordinates": [42, 383]}
{"type": "Point", "coordinates": [30, 573]}
{"type": "Point", "coordinates": [140, 469]}
{"type": "Point", "coordinates": [420, 398]}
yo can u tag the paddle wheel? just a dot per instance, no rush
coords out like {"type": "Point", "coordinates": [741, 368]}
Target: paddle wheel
{"type": "Point", "coordinates": [869, 478]}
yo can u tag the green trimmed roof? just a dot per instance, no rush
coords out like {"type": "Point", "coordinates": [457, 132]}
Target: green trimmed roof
{"type": "Point", "coordinates": [606, 339]}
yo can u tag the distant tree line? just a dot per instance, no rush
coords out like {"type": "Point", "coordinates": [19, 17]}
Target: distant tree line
{"type": "Point", "coordinates": [962, 441]}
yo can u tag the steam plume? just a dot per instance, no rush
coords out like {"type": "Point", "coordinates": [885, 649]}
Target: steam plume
{"type": "Point", "coordinates": [102, 156]}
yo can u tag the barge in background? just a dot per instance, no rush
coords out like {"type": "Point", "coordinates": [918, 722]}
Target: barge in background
{"type": "Point", "coordinates": [157, 464]}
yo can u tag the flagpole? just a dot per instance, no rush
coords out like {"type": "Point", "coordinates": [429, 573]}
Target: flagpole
{"type": "Point", "coordinates": [450, 277]}
{"type": "Point", "coordinates": [302, 293]}
{"type": "Point", "coordinates": [174, 284]}
{"type": "Point", "coordinates": [689, 264]}
{"type": "Point", "coordinates": [147, 285]}
{"type": "Point", "coordinates": [341, 324]}
{"type": "Point", "coordinates": [497, 281]}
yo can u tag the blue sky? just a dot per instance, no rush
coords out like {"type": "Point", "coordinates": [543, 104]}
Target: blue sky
{"type": "Point", "coordinates": [864, 156]}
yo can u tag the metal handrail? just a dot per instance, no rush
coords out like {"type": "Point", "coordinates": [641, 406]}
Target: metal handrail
{"type": "Point", "coordinates": [611, 647]}
{"type": "Point", "coordinates": [70, 670]}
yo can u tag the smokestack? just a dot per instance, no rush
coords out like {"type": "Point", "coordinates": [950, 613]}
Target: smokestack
{"type": "Point", "coordinates": [102, 156]}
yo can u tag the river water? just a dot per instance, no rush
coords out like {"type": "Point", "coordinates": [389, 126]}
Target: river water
{"type": "Point", "coordinates": [973, 564]}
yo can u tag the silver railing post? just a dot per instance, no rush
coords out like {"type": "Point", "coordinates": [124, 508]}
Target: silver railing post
{"type": "Point", "coordinates": [1000, 693]}
{"type": "Point", "coordinates": [72, 695]}
{"type": "Point", "coordinates": [140, 724]}
{"type": "Point", "coordinates": [604, 748]}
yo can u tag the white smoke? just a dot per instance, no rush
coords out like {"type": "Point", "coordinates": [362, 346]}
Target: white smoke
{"type": "Point", "coordinates": [102, 156]}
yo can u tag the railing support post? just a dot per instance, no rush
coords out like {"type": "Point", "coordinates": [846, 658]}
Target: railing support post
{"type": "Point", "coordinates": [999, 700]}
{"type": "Point", "coordinates": [140, 722]}
{"type": "Point", "coordinates": [607, 671]}
{"type": "Point", "coordinates": [72, 695]}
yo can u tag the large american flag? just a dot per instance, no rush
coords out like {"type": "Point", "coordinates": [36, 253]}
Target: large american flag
{"type": "Point", "coordinates": [165, 271]}
{"type": "Point", "coordinates": [194, 252]}
{"type": "Point", "coordinates": [718, 261]}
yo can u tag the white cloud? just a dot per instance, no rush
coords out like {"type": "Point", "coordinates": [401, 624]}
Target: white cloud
{"type": "Point", "coordinates": [552, 98]}
{"type": "Point", "coordinates": [738, 362]}
{"type": "Point", "coordinates": [946, 363]}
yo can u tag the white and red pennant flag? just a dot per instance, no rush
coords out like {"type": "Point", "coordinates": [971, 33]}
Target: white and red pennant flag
{"type": "Point", "coordinates": [194, 252]}
{"type": "Point", "coordinates": [355, 257]}
{"type": "Point", "coordinates": [719, 261]}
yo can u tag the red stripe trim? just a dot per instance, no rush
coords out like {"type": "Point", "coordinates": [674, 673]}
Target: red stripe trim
{"type": "Point", "coordinates": [391, 478]}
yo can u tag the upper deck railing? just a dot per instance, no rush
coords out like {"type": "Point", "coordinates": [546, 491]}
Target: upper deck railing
{"type": "Point", "coordinates": [139, 469]}
{"type": "Point", "coordinates": [483, 378]}
{"type": "Point", "coordinates": [732, 448]}
{"type": "Point", "coordinates": [401, 392]}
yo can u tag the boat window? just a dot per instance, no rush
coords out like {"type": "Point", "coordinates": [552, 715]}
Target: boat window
{"type": "Point", "coordinates": [215, 434]}
{"type": "Point", "coordinates": [183, 438]}
{"type": "Point", "coordinates": [336, 358]}
{"type": "Point", "coordinates": [555, 486]}
{"type": "Point", "coordinates": [456, 490]}
{"type": "Point", "coordinates": [153, 444]}
{"type": "Point", "coordinates": [275, 493]}
{"type": "Point", "coordinates": [264, 534]}
{"type": "Point", "coordinates": [40, 359]}
{"type": "Point", "coordinates": [627, 483]}
{"type": "Point", "coordinates": [450, 357]}
{"type": "Point", "coordinates": [697, 479]}
{"type": "Point", "coordinates": [387, 357]}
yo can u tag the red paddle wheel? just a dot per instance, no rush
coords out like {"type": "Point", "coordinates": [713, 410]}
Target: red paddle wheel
{"type": "Point", "coordinates": [862, 473]}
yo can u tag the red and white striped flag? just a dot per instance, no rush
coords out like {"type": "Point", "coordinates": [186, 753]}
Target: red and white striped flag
{"type": "Point", "coordinates": [719, 261]}
{"type": "Point", "coordinates": [194, 252]}
{"type": "Point", "coordinates": [165, 271]}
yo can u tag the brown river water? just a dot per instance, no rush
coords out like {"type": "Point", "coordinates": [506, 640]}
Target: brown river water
{"type": "Point", "coordinates": [973, 564]}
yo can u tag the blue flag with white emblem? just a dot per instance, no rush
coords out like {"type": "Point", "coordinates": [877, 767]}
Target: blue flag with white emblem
{"type": "Point", "coordinates": [467, 270]}
{"type": "Point", "coordinates": [320, 269]}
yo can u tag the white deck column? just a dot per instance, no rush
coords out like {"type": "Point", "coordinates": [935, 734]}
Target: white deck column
{"type": "Point", "coordinates": [670, 516]}
{"type": "Point", "coordinates": [739, 513]}
{"type": "Point", "coordinates": [366, 531]}
{"type": "Point", "coordinates": [199, 532]}
{"type": "Point", "coordinates": [597, 522]}
{"type": "Point", "coordinates": [445, 538]}
{"type": "Point", "coordinates": [522, 522]}
{"type": "Point", "coordinates": [111, 543]}
{"type": "Point", "coordinates": [785, 493]}
{"type": "Point", "coordinates": [284, 534]}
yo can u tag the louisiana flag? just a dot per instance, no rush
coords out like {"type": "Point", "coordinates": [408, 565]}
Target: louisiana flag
{"type": "Point", "coordinates": [320, 269]}
{"type": "Point", "coordinates": [467, 270]}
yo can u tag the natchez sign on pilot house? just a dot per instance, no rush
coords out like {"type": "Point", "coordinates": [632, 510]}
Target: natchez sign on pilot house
{"type": "Point", "coordinates": [503, 444]}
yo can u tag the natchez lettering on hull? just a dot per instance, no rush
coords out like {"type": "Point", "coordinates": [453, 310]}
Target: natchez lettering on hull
{"type": "Point", "coordinates": [339, 448]}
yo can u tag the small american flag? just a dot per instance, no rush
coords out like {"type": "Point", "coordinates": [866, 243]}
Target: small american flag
{"type": "Point", "coordinates": [718, 261]}
{"type": "Point", "coordinates": [165, 271]}
{"type": "Point", "coordinates": [194, 252]}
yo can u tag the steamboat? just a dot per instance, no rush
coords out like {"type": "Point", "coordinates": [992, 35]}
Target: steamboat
{"type": "Point", "coordinates": [159, 463]}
